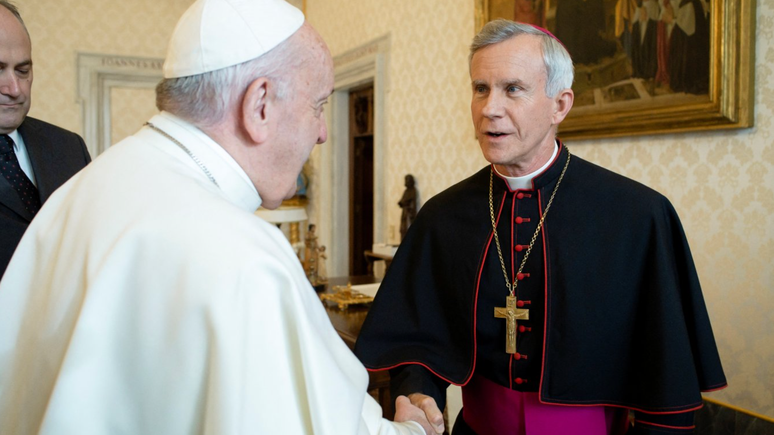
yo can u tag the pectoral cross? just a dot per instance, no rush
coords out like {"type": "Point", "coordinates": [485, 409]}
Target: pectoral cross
{"type": "Point", "coordinates": [511, 314]}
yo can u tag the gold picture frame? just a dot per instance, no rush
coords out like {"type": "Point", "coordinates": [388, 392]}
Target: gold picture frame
{"type": "Point", "coordinates": [728, 103]}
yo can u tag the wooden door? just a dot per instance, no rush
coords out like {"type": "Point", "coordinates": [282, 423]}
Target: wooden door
{"type": "Point", "coordinates": [361, 177]}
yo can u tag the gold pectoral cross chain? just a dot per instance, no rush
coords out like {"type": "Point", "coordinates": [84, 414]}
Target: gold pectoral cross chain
{"type": "Point", "coordinates": [511, 313]}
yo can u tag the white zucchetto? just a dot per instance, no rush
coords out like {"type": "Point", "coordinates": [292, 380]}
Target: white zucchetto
{"type": "Point", "coordinates": [215, 34]}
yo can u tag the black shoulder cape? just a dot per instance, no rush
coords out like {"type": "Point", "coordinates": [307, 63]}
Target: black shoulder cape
{"type": "Point", "coordinates": [625, 321]}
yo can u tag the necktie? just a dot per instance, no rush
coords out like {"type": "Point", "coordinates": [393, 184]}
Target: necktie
{"type": "Point", "coordinates": [9, 166]}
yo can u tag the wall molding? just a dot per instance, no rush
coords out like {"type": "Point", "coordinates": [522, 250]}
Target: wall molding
{"type": "Point", "coordinates": [97, 75]}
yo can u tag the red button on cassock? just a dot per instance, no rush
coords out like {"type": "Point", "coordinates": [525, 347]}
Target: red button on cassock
{"type": "Point", "coordinates": [519, 220]}
{"type": "Point", "coordinates": [520, 304]}
{"type": "Point", "coordinates": [519, 196]}
{"type": "Point", "coordinates": [522, 328]}
{"type": "Point", "coordinates": [520, 276]}
{"type": "Point", "coordinates": [519, 381]}
{"type": "Point", "coordinates": [519, 248]}
{"type": "Point", "coordinates": [516, 356]}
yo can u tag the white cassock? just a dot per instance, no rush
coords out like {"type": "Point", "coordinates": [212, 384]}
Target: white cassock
{"type": "Point", "coordinates": [145, 300]}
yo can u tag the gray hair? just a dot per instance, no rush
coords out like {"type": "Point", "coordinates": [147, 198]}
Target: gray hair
{"type": "Point", "coordinates": [15, 12]}
{"type": "Point", "coordinates": [559, 68]}
{"type": "Point", "coordinates": [205, 99]}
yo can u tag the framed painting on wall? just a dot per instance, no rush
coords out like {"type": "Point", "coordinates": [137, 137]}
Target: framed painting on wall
{"type": "Point", "coordinates": [648, 66]}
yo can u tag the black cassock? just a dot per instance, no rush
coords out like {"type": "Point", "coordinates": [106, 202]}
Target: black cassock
{"type": "Point", "coordinates": [610, 285]}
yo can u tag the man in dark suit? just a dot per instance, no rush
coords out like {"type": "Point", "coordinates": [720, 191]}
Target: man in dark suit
{"type": "Point", "coordinates": [35, 157]}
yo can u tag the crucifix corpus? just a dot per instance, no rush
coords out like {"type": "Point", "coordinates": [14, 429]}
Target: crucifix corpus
{"type": "Point", "coordinates": [511, 313]}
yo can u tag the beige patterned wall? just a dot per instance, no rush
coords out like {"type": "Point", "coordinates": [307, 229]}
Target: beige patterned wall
{"type": "Point", "coordinates": [60, 28]}
{"type": "Point", "coordinates": [721, 183]}
{"type": "Point", "coordinates": [130, 108]}
{"type": "Point", "coordinates": [428, 123]}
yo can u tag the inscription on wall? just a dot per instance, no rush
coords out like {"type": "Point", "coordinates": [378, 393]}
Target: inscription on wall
{"type": "Point", "coordinates": [123, 62]}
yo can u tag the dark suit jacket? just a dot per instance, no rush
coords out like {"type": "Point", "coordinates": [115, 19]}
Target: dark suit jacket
{"type": "Point", "coordinates": [56, 155]}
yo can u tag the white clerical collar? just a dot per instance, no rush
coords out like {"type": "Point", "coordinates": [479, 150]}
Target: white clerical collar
{"type": "Point", "coordinates": [525, 182]}
{"type": "Point", "coordinates": [231, 178]}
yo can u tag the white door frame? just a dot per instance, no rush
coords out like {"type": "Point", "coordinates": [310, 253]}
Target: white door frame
{"type": "Point", "coordinates": [97, 75]}
{"type": "Point", "coordinates": [368, 63]}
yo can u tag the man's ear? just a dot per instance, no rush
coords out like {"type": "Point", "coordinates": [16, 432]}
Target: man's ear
{"type": "Point", "coordinates": [563, 103]}
{"type": "Point", "coordinates": [256, 107]}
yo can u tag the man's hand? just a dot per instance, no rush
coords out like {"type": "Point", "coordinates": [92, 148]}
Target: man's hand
{"type": "Point", "coordinates": [422, 409]}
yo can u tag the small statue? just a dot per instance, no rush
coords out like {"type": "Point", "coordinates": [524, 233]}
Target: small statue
{"type": "Point", "coordinates": [311, 254]}
{"type": "Point", "coordinates": [409, 205]}
{"type": "Point", "coordinates": [322, 269]}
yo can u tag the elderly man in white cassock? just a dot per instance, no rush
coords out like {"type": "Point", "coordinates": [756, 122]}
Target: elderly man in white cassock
{"type": "Point", "coordinates": [147, 298]}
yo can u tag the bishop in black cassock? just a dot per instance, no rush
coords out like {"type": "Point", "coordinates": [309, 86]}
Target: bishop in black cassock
{"type": "Point", "coordinates": [616, 313]}
{"type": "Point", "coordinates": [615, 317]}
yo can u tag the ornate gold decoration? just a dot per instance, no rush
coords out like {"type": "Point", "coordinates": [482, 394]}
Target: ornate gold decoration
{"type": "Point", "coordinates": [345, 296]}
{"type": "Point", "coordinates": [296, 201]}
